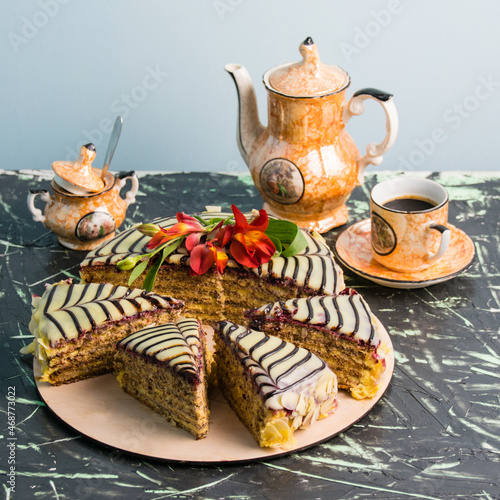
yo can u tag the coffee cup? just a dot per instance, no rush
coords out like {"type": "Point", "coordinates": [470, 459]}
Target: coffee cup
{"type": "Point", "coordinates": [408, 223]}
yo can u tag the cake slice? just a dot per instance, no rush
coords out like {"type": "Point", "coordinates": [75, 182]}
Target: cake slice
{"type": "Point", "coordinates": [273, 386]}
{"type": "Point", "coordinates": [164, 368]}
{"type": "Point", "coordinates": [76, 326]}
{"type": "Point", "coordinates": [340, 329]}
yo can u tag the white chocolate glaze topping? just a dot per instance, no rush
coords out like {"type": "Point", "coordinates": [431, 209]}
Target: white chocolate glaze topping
{"type": "Point", "coordinates": [348, 315]}
{"type": "Point", "coordinates": [288, 377]}
{"type": "Point", "coordinates": [66, 310]}
{"type": "Point", "coordinates": [177, 344]}
{"type": "Point", "coordinates": [313, 268]}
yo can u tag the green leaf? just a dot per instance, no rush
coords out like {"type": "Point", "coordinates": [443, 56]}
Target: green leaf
{"type": "Point", "coordinates": [291, 237]}
{"type": "Point", "coordinates": [137, 271]}
{"type": "Point", "coordinates": [276, 243]}
{"type": "Point", "coordinates": [153, 271]}
{"type": "Point", "coordinates": [203, 222]}
{"type": "Point", "coordinates": [215, 221]}
{"type": "Point", "coordinates": [296, 246]}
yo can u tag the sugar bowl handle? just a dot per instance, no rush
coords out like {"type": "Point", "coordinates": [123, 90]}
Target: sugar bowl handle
{"type": "Point", "coordinates": [122, 179]}
{"type": "Point", "coordinates": [36, 212]}
{"type": "Point", "coordinates": [374, 151]}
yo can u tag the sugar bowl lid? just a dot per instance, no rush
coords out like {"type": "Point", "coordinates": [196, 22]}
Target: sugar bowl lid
{"type": "Point", "coordinates": [79, 177]}
{"type": "Point", "coordinates": [306, 78]}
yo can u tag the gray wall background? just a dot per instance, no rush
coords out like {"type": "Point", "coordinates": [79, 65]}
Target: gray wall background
{"type": "Point", "coordinates": [69, 67]}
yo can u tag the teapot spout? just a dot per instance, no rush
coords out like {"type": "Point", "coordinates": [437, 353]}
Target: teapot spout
{"type": "Point", "coordinates": [248, 125]}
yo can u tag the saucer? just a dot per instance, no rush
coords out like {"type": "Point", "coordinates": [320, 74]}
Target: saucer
{"type": "Point", "coordinates": [353, 249]}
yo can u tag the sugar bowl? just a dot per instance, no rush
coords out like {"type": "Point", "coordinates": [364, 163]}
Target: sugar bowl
{"type": "Point", "coordinates": [86, 209]}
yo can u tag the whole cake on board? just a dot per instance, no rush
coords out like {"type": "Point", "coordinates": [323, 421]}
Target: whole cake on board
{"type": "Point", "coordinates": [76, 326]}
{"type": "Point", "coordinates": [218, 295]}
{"type": "Point", "coordinates": [278, 375]}
{"type": "Point", "coordinates": [164, 368]}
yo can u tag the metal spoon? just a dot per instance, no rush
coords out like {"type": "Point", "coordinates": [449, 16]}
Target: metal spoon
{"type": "Point", "coordinates": [113, 141]}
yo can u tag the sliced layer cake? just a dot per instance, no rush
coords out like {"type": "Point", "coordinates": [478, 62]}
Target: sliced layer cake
{"type": "Point", "coordinates": [273, 386]}
{"type": "Point", "coordinates": [76, 326]}
{"type": "Point", "coordinates": [164, 368]}
{"type": "Point", "coordinates": [340, 329]}
{"type": "Point", "coordinates": [213, 296]}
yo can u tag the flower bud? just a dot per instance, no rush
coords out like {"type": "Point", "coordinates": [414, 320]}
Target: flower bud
{"type": "Point", "coordinates": [149, 229]}
{"type": "Point", "coordinates": [129, 263]}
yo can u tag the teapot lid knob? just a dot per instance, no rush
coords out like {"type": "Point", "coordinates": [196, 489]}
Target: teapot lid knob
{"type": "Point", "coordinates": [306, 78]}
{"type": "Point", "coordinates": [310, 56]}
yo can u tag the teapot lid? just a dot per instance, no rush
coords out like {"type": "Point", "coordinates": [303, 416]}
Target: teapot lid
{"type": "Point", "coordinates": [79, 176]}
{"type": "Point", "coordinates": [306, 78]}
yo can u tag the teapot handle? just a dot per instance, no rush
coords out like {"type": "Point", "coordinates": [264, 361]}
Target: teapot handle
{"type": "Point", "coordinates": [36, 212]}
{"type": "Point", "coordinates": [122, 179]}
{"type": "Point", "coordinates": [374, 151]}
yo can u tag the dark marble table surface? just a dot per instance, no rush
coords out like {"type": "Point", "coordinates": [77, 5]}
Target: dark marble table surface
{"type": "Point", "coordinates": [434, 434]}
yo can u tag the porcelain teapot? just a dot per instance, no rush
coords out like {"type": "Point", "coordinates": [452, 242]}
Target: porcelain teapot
{"type": "Point", "coordinates": [304, 163]}
{"type": "Point", "coordinates": [83, 214]}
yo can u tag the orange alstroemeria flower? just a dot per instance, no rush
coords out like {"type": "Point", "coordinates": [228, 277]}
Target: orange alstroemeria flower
{"type": "Point", "coordinates": [250, 247]}
{"type": "Point", "coordinates": [204, 255]}
{"type": "Point", "coordinates": [186, 225]}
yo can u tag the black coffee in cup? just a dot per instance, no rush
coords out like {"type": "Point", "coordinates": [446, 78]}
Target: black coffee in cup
{"type": "Point", "coordinates": [406, 204]}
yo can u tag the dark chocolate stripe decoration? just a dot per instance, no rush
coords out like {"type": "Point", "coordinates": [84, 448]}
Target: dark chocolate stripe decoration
{"type": "Point", "coordinates": [139, 245]}
{"type": "Point", "coordinates": [372, 326]}
{"type": "Point", "coordinates": [323, 275]}
{"type": "Point", "coordinates": [150, 298]}
{"type": "Point", "coordinates": [292, 367]}
{"type": "Point", "coordinates": [339, 314]}
{"type": "Point", "coordinates": [318, 248]}
{"type": "Point", "coordinates": [271, 352]}
{"type": "Point", "coordinates": [325, 309]}
{"type": "Point", "coordinates": [283, 359]}
{"type": "Point", "coordinates": [346, 314]}
{"type": "Point", "coordinates": [77, 324]}
{"type": "Point", "coordinates": [100, 288]}
{"type": "Point", "coordinates": [296, 270]}
{"type": "Point", "coordinates": [49, 300]}
{"type": "Point", "coordinates": [310, 310]}
{"type": "Point", "coordinates": [105, 310]}
{"type": "Point", "coordinates": [179, 341]}
{"type": "Point", "coordinates": [172, 336]}
{"type": "Point", "coordinates": [118, 241]}
{"type": "Point", "coordinates": [270, 266]}
{"type": "Point", "coordinates": [135, 303]}
{"type": "Point", "coordinates": [257, 345]}
{"type": "Point", "coordinates": [89, 316]}
{"type": "Point", "coordinates": [57, 325]}
{"type": "Point", "coordinates": [118, 306]}
{"type": "Point", "coordinates": [68, 310]}
{"type": "Point", "coordinates": [309, 270]}
{"type": "Point", "coordinates": [285, 266]}
{"type": "Point", "coordinates": [69, 296]}
{"type": "Point", "coordinates": [304, 360]}
{"type": "Point", "coordinates": [356, 314]}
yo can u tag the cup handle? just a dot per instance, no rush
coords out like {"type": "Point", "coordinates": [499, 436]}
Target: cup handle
{"type": "Point", "coordinates": [36, 212]}
{"type": "Point", "coordinates": [374, 151]}
{"type": "Point", "coordinates": [122, 179]}
{"type": "Point", "coordinates": [445, 242]}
